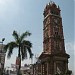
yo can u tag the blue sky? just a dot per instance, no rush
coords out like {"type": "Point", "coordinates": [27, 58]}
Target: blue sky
{"type": "Point", "coordinates": [22, 15]}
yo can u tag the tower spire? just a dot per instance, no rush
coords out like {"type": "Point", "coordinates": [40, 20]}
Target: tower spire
{"type": "Point", "coordinates": [51, 1]}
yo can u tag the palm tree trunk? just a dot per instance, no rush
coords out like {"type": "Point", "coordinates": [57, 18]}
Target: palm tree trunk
{"type": "Point", "coordinates": [19, 56]}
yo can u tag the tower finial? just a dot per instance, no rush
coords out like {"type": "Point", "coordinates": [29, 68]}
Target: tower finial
{"type": "Point", "coordinates": [51, 1]}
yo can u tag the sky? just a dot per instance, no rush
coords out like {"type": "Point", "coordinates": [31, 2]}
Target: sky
{"type": "Point", "coordinates": [22, 15]}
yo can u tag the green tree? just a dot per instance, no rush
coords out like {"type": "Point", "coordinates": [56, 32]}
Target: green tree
{"type": "Point", "coordinates": [23, 46]}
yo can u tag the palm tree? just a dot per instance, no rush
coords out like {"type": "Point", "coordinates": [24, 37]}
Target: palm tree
{"type": "Point", "coordinates": [22, 45]}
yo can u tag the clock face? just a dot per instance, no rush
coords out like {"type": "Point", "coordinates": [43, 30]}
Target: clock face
{"type": "Point", "coordinates": [56, 21]}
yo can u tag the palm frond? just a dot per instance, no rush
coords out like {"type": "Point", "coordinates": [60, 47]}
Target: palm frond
{"type": "Point", "coordinates": [10, 51]}
{"type": "Point", "coordinates": [27, 43]}
{"type": "Point", "coordinates": [6, 47]}
{"type": "Point", "coordinates": [23, 45]}
{"type": "Point", "coordinates": [16, 36]}
{"type": "Point", "coordinates": [30, 52]}
{"type": "Point", "coordinates": [24, 35]}
{"type": "Point", "coordinates": [10, 46]}
{"type": "Point", "coordinates": [23, 52]}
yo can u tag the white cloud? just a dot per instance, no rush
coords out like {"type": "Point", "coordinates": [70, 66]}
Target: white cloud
{"type": "Point", "coordinates": [69, 46]}
{"type": "Point", "coordinates": [5, 2]}
{"type": "Point", "coordinates": [2, 2]}
{"type": "Point", "coordinates": [8, 7]}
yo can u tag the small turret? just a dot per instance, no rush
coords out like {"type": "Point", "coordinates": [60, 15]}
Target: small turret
{"type": "Point", "coordinates": [51, 8]}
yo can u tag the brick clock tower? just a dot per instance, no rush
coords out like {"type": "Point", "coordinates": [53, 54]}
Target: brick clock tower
{"type": "Point", "coordinates": [53, 31]}
{"type": "Point", "coordinates": [54, 58]}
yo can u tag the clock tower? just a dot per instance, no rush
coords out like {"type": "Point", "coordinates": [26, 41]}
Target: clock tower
{"type": "Point", "coordinates": [53, 39]}
{"type": "Point", "coordinates": [54, 58]}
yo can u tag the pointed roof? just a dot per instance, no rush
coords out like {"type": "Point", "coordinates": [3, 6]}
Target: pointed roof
{"type": "Point", "coordinates": [51, 3]}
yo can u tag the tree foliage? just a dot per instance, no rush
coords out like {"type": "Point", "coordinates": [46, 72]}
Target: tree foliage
{"type": "Point", "coordinates": [21, 43]}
